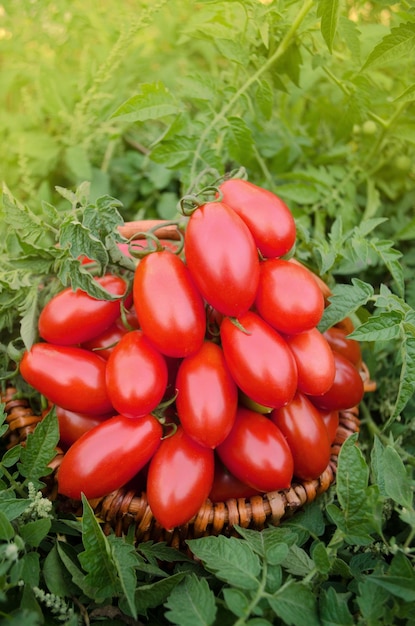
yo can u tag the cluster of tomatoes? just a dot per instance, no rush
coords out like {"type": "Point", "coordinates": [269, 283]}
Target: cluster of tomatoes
{"type": "Point", "coordinates": [207, 377]}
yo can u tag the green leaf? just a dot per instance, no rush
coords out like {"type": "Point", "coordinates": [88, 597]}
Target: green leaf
{"type": "Point", "coordinates": [271, 543]}
{"type": "Point", "coordinates": [298, 562]}
{"type": "Point", "coordinates": [334, 610]}
{"type": "Point", "coordinates": [344, 301]}
{"type": "Point", "coordinates": [264, 98]}
{"type": "Point", "coordinates": [40, 449]}
{"type": "Point", "coordinates": [295, 604]}
{"type": "Point", "coordinates": [191, 603]}
{"type": "Point", "coordinates": [239, 139]}
{"type": "Point", "coordinates": [153, 101]}
{"type": "Point", "coordinates": [328, 10]}
{"type": "Point", "coordinates": [231, 560]}
{"type": "Point", "coordinates": [80, 241]}
{"type": "Point", "coordinates": [408, 95]}
{"type": "Point", "coordinates": [399, 43]}
{"type": "Point", "coordinates": [383, 327]}
{"type": "Point", "coordinates": [58, 579]}
{"type": "Point", "coordinates": [6, 529]}
{"type": "Point", "coordinates": [397, 483]}
{"type": "Point", "coordinates": [237, 601]}
{"type": "Point", "coordinates": [12, 508]}
{"type": "Point", "coordinates": [406, 377]}
{"type": "Point", "coordinates": [35, 532]}
{"type": "Point", "coordinates": [154, 594]}
{"type": "Point", "coordinates": [125, 560]}
{"type": "Point", "coordinates": [97, 558]}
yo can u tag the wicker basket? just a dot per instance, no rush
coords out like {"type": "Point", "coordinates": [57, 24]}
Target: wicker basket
{"type": "Point", "coordinates": [124, 507]}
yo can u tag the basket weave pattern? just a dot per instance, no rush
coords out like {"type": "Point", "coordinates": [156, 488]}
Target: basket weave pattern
{"type": "Point", "coordinates": [124, 507]}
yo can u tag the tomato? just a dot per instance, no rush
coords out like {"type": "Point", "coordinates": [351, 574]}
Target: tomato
{"type": "Point", "coordinates": [68, 376]}
{"type": "Point", "coordinates": [346, 325]}
{"type": "Point", "coordinates": [256, 452]}
{"type": "Point", "coordinates": [331, 420]}
{"type": "Point", "coordinates": [169, 308]}
{"type": "Point", "coordinates": [346, 391]}
{"type": "Point", "coordinates": [306, 434]}
{"type": "Point", "coordinates": [268, 218]}
{"type": "Point", "coordinates": [104, 343]}
{"type": "Point", "coordinates": [108, 456]}
{"type": "Point", "coordinates": [73, 317]}
{"type": "Point", "coordinates": [72, 425]}
{"type": "Point", "coordinates": [288, 296]}
{"type": "Point", "coordinates": [222, 257]}
{"type": "Point", "coordinates": [180, 477]}
{"type": "Point", "coordinates": [136, 375]}
{"type": "Point", "coordinates": [259, 360]}
{"type": "Point", "coordinates": [314, 359]}
{"type": "Point", "coordinates": [339, 342]}
{"type": "Point", "coordinates": [207, 396]}
{"type": "Point", "coordinates": [227, 487]}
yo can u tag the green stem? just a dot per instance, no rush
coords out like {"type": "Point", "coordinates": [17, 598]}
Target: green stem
{"type": "Point", "coordinates": [230, 104]}
{"type": "Point", "coordinates": [13, 483]}
{"type": "Point", "coordinates": [260, 593]}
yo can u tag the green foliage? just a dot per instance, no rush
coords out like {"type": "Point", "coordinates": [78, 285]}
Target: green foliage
{"type": "Point", "coordinates": [113, 111]}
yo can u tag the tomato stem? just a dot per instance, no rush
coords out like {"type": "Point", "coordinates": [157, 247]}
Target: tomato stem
{"type": "Point", "coordinates": [238, 324]}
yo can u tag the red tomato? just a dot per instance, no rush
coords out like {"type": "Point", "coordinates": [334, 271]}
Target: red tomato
{"type": "Point", "coordinates": [73, 425]}
{"type": "Point", "coordinates": [180, 477]}
{"type": "Point", "coordinates": [339, 342]}
{"type": "Point", "coordinates": [346, 391]}
{"type": "Point", "coordinates": [331, 421]}
{"type": "Point", "coordinates": [68, 376]}
{"type": "Point", "coordinates": [136, 375]}
{"type": "Point", "coordinates": [288, 296]}
{"type": "Point", "coordinates": [106, 341]}
{"type": "Point", "coordinates": [169, 308]}
{"type": "Point", "coordinates": [227, 487]}
{"type": "Point", "coordinates": [259, 360]}
{"type": "Point", "coordinates": [268, 218]}
{"type": "Point", "coordinates": [222, 257]}
{"type": "Point", "coordinates": [306, 434]}
{"type": "Point", "coordinates": [314, 359]}
{"type": "Point", "coordinates": [73, 317]}
{"type": "Point", "coordinates": [207, 396]}
{"type": "Point", "coordinates": [108, 456]}
{"type": "Point", "coordinates": [256, 452]}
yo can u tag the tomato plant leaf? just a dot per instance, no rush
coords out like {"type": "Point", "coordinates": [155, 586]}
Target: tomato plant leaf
{"type": "Point", "coordinates": [231, 560]}
{"type": "Point", "coordinates": [271, 544]}
{"type": "Point", "coordinates": [191, 603]}
{"type": "Point", "coordinates": [153, 101]}
{"type": "Point", "coordinates": [150, 595]}
{"type": "Point", "coordinates": [334, 610]}
{"type": "Point", "coordinates": [398, 43]}
{"type": "Point", "coordinates": [406, 378]}
{"type": "Point", "coordinates": [35, 531]}
{"type": "Point", "coordinates": [328, 11]}
{"type": "Point", "coordinates": [125, 560]}
{"type": "Point", "coordinates": [40, 449]}
{"type": "Point", "coordinates": [6, 528]}
{"type": "Point", "coordinates": [383, 327]}
{"type": "Point", "coordinates": [344, 301]}
{"type": "Point", "coordinates": [396, 480]}
{"type": "Point", "coordinates": [295, 603]}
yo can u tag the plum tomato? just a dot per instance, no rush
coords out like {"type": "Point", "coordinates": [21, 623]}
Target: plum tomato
{"type": "Point", "coordinates": [347, 389]}
{"type": "Point", "coordinates": [306, 434]}
{"type": "Point", "coordinates": [315, 361]}
{"type": "Point", "coordinates": [207, 396]}
{"type": "Point", "coordinates": [331, 419]}
{"type": "Point", "coordinates": [268, 218]}
{"type": "Point", "coordinates": [108, 456]}
{"type": "Point", "coordinates": [259, 360]}
{"type": "Point", "coordinates": [256, 452]}
{"type": "Point", "coordinates": [73, 317]}
{"type": "Point", "coordinates": [180, 477]}
{"type": "Point", "coordinates": [340, 342]}
{"type": "Point", "coordinates": [104, 343]}
{"type": "Point", "coordinates": [136, 375]}
{"type": "Point", "coordinates": [222, 257]}
{"type": "Point", "coordinates": [73, 425]}
{"type": "Point", "coordinates": [227, 487]}
{"type": "Point", "coordinates": [288, 297]}
{"type": "Point", "coordinates": [169, 308]}
{"type": "Point", "coordinates": [68, 376]}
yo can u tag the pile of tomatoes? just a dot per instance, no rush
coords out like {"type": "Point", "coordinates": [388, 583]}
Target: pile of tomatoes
{"type": "Point", "coordinates": [206, 376]}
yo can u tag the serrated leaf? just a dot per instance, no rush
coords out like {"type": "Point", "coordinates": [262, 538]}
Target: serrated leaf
{"type": "Point", "coordinates": [174, 152]}
{"type": "Point", "coordinates": [239, 139]}
{"type": "Point", "coordinates": [79, 240]}
{"type": "Point", "coordinates": [33, 533]}
{"type": "Point", "coordinates": [271, 543]}
{"type": "Point", "coordinates": [40, 449]}
{"type": "Point", "coordinates": [299, 193]}
{"type": "Point", "coordinates": [96, 559]}
{"type": "Point", "coordinates": [153, 101]}
{"type": "Point", "coordinates": [125, 560]}
{"type": "Point", "coordinates": [298, 562]}
{"type": "Point", "coordinates": [191, 603]}
{"type": "Point", "coordinates": [406, 378]}
{"type": "Point", "coordinates": [29, 317]}
{"type": "Point", "coordinates": [344, 301]}
{"type": "Point", "coordinates": [334, 610]}
{"type": "Point", "coordinates": [6, 529]}
{"type": "Point", "coordinates": [231, 560]}
{"type": "Point", "coordinates": [264, 98]}
{"type": "Point", "coordinates": [383, 327]}
{"type": "Point", "coordinates": [236, 601]}
{"type": "Point", "coordinates": [400, 42]}
{"type": "Point", "coordinates": [295, 604]}
{"type": "Point", "coordinates": [71, 273]}
{"type": "Point", "coordinates": [154, 594]}
{"type": "Point", "coordinates": [390, 257]}
{"type": "Point", "coordinates": [12, 508]}
{"type": "Point", "coordinates": [396, 480]}
{"type": "Point", "coordinates": [58, 579]}
{"type": "Point", "coordinates": [328, 10]}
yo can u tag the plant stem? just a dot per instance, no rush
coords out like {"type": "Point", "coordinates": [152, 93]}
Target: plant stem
{"type": "Point", "coordinates": [281, 49]}
{"type": "Point", "coordinates": [256, 599]}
